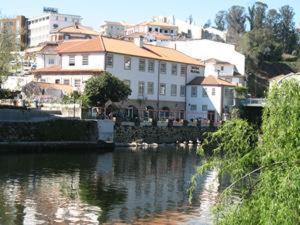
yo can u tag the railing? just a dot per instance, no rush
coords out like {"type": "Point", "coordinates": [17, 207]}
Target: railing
{"type": "Point", "coordinates": [255, 102]}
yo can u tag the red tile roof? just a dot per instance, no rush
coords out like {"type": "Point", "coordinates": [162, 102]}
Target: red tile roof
{"type": "Point", "coordinates": [59, 70]}
{"type": "Point", "coordinates": [210, 81]}
{"type": "Point", "coordinates": [81, 46]}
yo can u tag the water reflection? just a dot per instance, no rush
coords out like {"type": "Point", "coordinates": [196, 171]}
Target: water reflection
{"type": "Point", "coordinates": [124, 186]}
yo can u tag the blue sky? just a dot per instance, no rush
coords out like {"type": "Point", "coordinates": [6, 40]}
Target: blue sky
{"type": "Point", "coordinates": [94, 12]}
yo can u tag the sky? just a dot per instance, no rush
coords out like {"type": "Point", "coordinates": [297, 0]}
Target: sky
{"type": "Point", "coordinates": [95, 12]}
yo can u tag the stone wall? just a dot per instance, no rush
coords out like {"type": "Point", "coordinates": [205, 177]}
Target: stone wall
{"type": "Point", "coordinates": [52, 130]}
{"type": "Point", "coordinates": [158, 134]}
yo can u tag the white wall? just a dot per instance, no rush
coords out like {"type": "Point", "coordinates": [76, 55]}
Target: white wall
{"type": "Point", "coordinates": [42, 61]}
{"type": "Point", "coordinates": [213, 102]}
{"type": "Point", "coordinates": [206, 49]}
{"type": "Point", "coordinates": [211, 69]}
{"type": "Point", "coordinates": [134, 75]}
{"type": "Point", "coordinates": [96, 61]}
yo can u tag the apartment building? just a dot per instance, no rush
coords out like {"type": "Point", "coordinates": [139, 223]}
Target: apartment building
{"type": "Point", "coordinates": [40, 28]}
{"type": "Point", "coordinates": [156, 75]}
{"type": "Point", "coordinates": [114, 29]}
{"type": "Point", "coordinates": [18, 28]}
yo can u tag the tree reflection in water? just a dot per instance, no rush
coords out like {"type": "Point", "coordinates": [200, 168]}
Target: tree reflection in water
{"type": "Point", "coordinates": [95, 188]}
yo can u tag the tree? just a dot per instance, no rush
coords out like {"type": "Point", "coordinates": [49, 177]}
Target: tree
{"type": "Point", "coordinates": [220, 20]}
{"type": "Point", "coordinates": [272, 21]}
{"type": "Point", "coordinates": [287, 32]}
{"type": "Point", "coordinates": [257, 15]}
{"type": "Point", "coordinates": [263, 167]}
{"type": "Point", "coordinates": [207, 24]}
{"type": "Point", "coordinates": [236, 19]}
{"type": "Point", "coordinates": [105, 87]}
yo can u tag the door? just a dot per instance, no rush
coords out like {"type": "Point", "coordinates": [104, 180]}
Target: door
{"type": "Point", "coordinates": [211, 117]}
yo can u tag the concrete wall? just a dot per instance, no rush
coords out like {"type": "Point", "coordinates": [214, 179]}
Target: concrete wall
{"type": "Point", "coordinates": [158, 134]}
{"type": "Point", "coordinates": [54, 130]}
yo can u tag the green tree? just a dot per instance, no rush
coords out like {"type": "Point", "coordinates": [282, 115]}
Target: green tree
{"type": "Point", "coordinates": [105, 87]}
{"type": "Point", "coordinates": [264, 167]}
{"type": "Point", "coordinates": [236, 23]}
{"type": "Point", "coordinates": [287, 31]}
{"type": "Point", "coordinates": [257, 15]}
{"type": "Point", "coordinates": [220, 20]}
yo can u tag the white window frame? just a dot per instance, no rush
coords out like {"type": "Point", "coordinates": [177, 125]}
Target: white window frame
{"type": "Point", "coordinates": [85, 60]}
{"type": "Point", "coordinates": [77, 83]}
{"type": "Point", "coordinates": [174, 69]}
{"type": "Point", "coordinates": [142, 64]}
{"type": "Point", "coordinates": [109, 60]}
{"type": "Point", "coordinates": [194, 91]}
{"type": "Point", "coordinates": [173, 89]}
{"type": "Point", "coordinates": [162, 89]}
{"type": "Point", "coordinates": [182, 90]}
{"type": "Point", "coordinates": [141, 88]}
{"type": "Point", "coordinates": [151, 65]}
{"type": "Point", "coordinates": [204, 92]}
{"type": "Point", "coordinates": [183, 70]}
{"type": "Point", "coordinates": [193, 107]}
{"type": "Point", "coordinates": [150, 88]}
{"type": "Point", "coordinates": [163, 67]}
{"type": "Point", "coordinates": [66, 81]}
{"type": "Point", "coordinates": [71, 60]}
{"type": "Point", "coordinates": [213, 91]}
{"type": "Point", "coordinates": [127, 63]}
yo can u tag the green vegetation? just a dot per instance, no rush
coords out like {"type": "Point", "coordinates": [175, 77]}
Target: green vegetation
{"type": "Point", "coordinates": [270, 43]}
{"type": "Point", "coordinates": [263, 167]}
{"type": "Point", "coordinates": [105, 87]}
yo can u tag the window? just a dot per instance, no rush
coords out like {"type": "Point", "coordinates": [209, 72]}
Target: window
{"type": "Point", "coordinates": [141, 88]}
{"type": "Point", "coordinates": [66, 19]}
{"type": "Point", "coordinates": [160, 30]}
{"type": "Point", "coordinates": [51, 61]}
{"type": "Point", "coordinates": [127, 63]}
{"type": "Point", "coordinates": [173, 90]}
{"type": "Point", "coordinates": [183, 70]}
{"type": "Point", "coordinates": [162, 89]}
{"type": "Point", "coordinates": [204, 108]}
{"type": "Point", "coordinates": [163, 67]}
{"type": "Point", "coordinates": [43, 80]}
{"type": "Point", "coordinates": [204, 92]}
{"type": "Point", "coordinates": [109, 60]}
{"type": "Point", "coordinates": [182, 90]}
{"type": "Point", "coordinates": [172, 31]}
{"type": "Point", "coordinates": [127, 82]}
{"type": "Point", "coordinates": [222, 68]}
{"type": "Point", "coordinates": [77, 83]}
{"type": "Point", "coordinates": [71, 60]}
{"type": "Point", "coordinates": [55, 26]}
{"type": "Point", "coordinates": [195, 69]}
{"type": "Point", "coordinates": [213, 91]}
{"type": "Point", "coordinates": [193, 107]}
{"type": "Point", "coordinates": [150, 88]}
{"type": "Point", "coordinates": [151, 66]}
{"type": "Point", "coordinates": [194, 92]}
{"type": "Point", "coordinates": [174, 69]}
{"type": "Point", "coordinates": [85, 60]}
{"type": "Point", "coordinates": [156, 29]}
{"type": "Point", "coordinates": [228, 92]}
{"type": "Point", "coordinates": [150, 29]}
{"type": "Point", "coordinates": [66, 82]}
{"type": "Point", "coordinates": [142, 64]}
{"type": "Point", "coordinates": [166, 31]}
{"type": "Point", "coordinates": [57, 81]}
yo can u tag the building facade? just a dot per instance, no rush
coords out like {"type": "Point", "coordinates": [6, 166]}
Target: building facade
{"type": "Point", "coordinates": [156, 75]}
{"type": "Point", "coordinates": [18, 28]}
{"type": "Point", "coordinates": [41, 27]}
{"type": "Point", "coordinates": [114, 29]}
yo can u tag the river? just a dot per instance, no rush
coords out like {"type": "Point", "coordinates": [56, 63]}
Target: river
{"type": "Point", "coordinates": [127, 186]}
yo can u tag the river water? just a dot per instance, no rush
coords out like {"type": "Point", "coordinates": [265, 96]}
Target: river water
{"type": "Point", "coordinates": [128, 186]}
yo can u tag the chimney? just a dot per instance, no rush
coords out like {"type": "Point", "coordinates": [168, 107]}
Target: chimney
{"type": "Point", "coordinates": [139, 41]}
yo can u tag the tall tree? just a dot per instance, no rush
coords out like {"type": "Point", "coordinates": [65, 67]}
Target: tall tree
{"type": "Point", "coordinates": [105, 87]}
{"type": "Point", "coordinates": [207, 24]}
{"type": "Point", "coordinates": [257, 15]}
{"type": "Point", "coordinates": [220, 20]}
{"type": "Point", "coordinates": [272, 21]}
{"type": "Point", "coordinates": [236, 19]}
{"type": "Point", "coordinates": [287, 32]}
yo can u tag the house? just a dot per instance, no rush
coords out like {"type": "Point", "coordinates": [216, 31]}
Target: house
{"type": "Point", "coordinates": [216, 55]}
{"type": "Point", "coordinates": [153, 26]}
{"type": "Point", "coordinates": [114, 29]}
{"type": "Point", "coordinates": [157, 75]}
{"type": "Point", "coordinates": [41, 27]}
{"type": "Point", "coordinates": [76, 31]}
{"type": "Point", "coordinates": [209, 98]}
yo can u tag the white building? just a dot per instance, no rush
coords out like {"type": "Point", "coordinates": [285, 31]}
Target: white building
{"type": "Point", "coordinates": [114, 29]}
{"type": "Point", "coordinates": [153, 26]}
{"type": "Point", "coordinates": [209, 98]}
{"type": "Point", "coordinates": [41, 27]}
{"type": "Point", "coordinates": [156, 75]}
{"type": "Point", "coordinates": [205, 50]}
